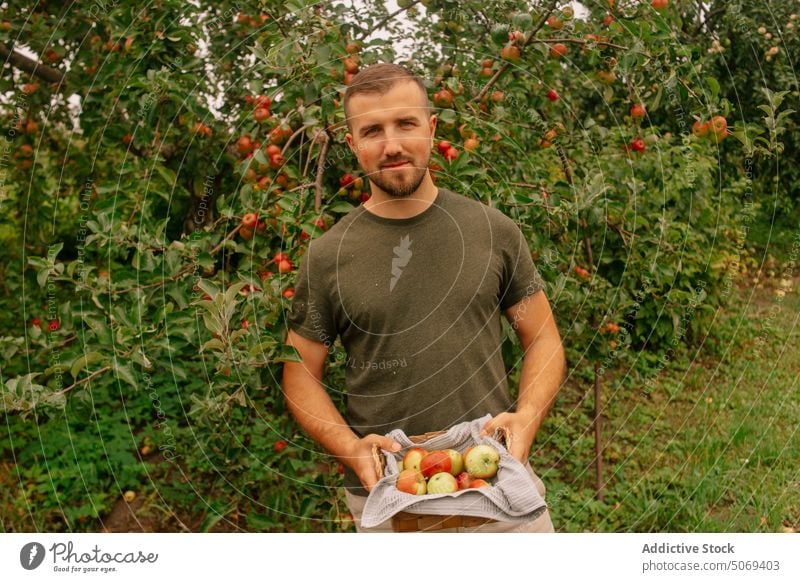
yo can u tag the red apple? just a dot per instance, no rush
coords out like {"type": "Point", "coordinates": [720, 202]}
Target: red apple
{"type": "Point", "coordinates": [411, 481]}
{"type": "Point", "coordinates": [435, 462]}
{"type": "Point", "coordinates": [482, 462]}
{"type": "Point", "coordinates": [637, 111]}
{"type": "Point", "coordinates": [442, 483]}
{"type": "Point", "coordinates": [558, 50]}
{"type": "Point", "coordinates": [463, 480]}
{"type": "Point", "coordinates": [443, 146]}
{"type": "Point", "coordinates": [250, 220]}
{"type": "Point", "coordinates": [478, 483]}
{"type": "Point", "coordinates": [413, 458]}
{"type": "Point", "coordinates": [552, 95]}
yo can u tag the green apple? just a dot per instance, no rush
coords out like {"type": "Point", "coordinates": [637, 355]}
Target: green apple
{"type": "Point", "coordinates": [442, 483]}
{"type": "Point", "coordinates": [482, 462]}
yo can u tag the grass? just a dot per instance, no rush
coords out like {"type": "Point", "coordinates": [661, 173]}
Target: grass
{"type": "Point", "coordinates": [714, 448]}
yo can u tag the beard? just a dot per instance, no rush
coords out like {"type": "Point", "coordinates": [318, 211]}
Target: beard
{"type": "Point", "coordinates": [399, 183]}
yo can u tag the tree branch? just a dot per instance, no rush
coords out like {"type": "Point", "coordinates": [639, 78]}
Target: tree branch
{"type": "Point", "coordinates": [31, 66]}
{"type": "Point", "coordinates": [387, 19]}
{"type": "Point", "coordinates": [504, 67]}
{"type": "Point", "coordinates": [326, 145]}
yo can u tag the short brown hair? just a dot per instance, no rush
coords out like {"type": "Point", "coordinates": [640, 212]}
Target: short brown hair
{"type": "Point", "coordinates": [379, 79]}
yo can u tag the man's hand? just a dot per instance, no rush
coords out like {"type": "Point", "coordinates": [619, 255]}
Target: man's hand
{"type": "Point", "coordinates": [359, 458]}
{"type": "Point", "coordinates": [522, 430]}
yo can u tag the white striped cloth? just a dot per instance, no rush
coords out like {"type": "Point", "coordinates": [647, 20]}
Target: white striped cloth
{"type": "Point", "coordinates": [512, 497]}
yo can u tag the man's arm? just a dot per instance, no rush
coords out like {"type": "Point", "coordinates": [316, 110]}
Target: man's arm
{"type": "Point", "coordinates": [543, 371]}
{"type": "Point", "coordinates": [314, 410]}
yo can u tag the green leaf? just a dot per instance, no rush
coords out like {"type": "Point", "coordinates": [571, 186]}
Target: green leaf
{"type": "Point", "coordinates": [125, 373]}
{"type": "Point", "coordinates": [713, 86]}
{"type": "Point", "coordinates": [340, 207]}
{"type": "Point", "coordinates": [169, 176]}
{"type": "Point", "coordinates": [83, 361]}
{"type": "Point", "coordinates": [214, 345]}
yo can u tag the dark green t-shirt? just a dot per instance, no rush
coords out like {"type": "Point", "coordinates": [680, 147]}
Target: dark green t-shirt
{"type": "Point", "coordinates": [417, 303]}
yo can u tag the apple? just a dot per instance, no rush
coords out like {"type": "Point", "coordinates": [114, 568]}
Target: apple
{"type": "Point", "coordinates": [510, 53]}
{"type": "Point", "coordinates": [638, 145]}
{"type": "Point", "coordinates": [443, 98]}
{"type": "Point", "coordinates": [346, 180]}
{"type": "Point", "coordinates": [607, 20]}
{"type": "Point", "coordinates": [637, 111]}
{"type": "Point", "coordinates": [443, 146]}
{"type": "Point", "coordinates": [261, 114]}
{"type": "Point", "coordinates": [271, 150]}
{"type": "Point", "coordinates": [607, 77]}
{"type": "Point", "coordinates": [250, 220]}
{"type": "Point", "coordinates": [456, 461]}
{"type": "Point", "coordinates": [442, 483]}
{"type": "Point", "coordinates": [451, 154]}
{"type": "Point", "coordinates": [719, 125]}
{"type": "Point", "coordinates": [435, 462]}
{"type": "Point", "coordinates": [244, 144]}
{"type": "Point", "coordinates": [471, 144]}
{"type": "Point", "coordinates": [478, 483]}
{"type": "Point", "coordinates": [482, 461]}
{"type": "Point", "coordinates": [464, 480]}
{"type": "Point", "coordinates": [700, 128]}
{"type": "Point", "coordinates": [552, 95]}
{"type": "Point", "coordinates": [285, 266]}
{"type": "Point", "coordinates": [558, 50]}
{"type": "Point", "coordinates": [555, 23]}
{"type": "Point", "coordinates": [660, 4]}
{"type": "Point", "coordinates": [413, 458]}
{"type": "Point", "coordinates": [289, 293]}
{"type": "Point", "coordinates": [411, 481]}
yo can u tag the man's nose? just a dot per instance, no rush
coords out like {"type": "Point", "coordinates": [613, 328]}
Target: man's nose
{"type": "Point", "coordinates": [393, 145]}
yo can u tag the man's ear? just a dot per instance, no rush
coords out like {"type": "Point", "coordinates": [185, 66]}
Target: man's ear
{"type": "Point", "coordinates": [432, 124]}
{"type": "Point", "coordinates": [348, 137]}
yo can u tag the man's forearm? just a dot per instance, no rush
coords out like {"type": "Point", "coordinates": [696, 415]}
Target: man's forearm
{"type": "Point", "coordinates": [314, 410]}
{"type": "Point", "coordinates": [542, 374]}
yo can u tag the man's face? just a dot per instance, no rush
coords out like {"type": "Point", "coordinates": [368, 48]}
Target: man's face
{"type": "Point", "coordinates": [392, 137]}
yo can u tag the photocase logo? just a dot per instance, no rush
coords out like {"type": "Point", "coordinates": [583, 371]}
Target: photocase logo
{"type": "Point", "coordinates": [402, 254]}
{"type": "Point", "coordinates": [31, 555]}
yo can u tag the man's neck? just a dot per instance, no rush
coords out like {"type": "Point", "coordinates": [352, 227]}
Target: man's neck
{"type": "Point", "coordinates": [385, 206]}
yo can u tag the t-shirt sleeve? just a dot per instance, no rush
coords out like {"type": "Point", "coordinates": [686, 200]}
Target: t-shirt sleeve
{"type": "Point", "coordinates": [311, 314]}
{"type": "Point", "coordinates": [520, 276]}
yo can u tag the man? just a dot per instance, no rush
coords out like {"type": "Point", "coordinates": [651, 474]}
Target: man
{"type": "Point", "coordinates": [413, 281]}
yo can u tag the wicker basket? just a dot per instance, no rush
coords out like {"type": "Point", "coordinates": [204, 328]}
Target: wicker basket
{"type": "Point", "coordinates": [412, 522]}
